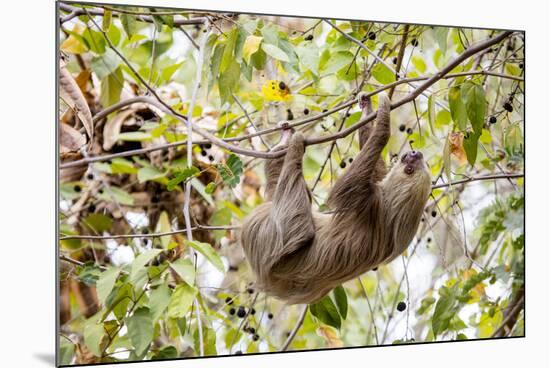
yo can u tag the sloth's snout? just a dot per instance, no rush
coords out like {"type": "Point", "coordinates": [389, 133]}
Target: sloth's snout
{"type": "Point", "coordinates": [412, 156]}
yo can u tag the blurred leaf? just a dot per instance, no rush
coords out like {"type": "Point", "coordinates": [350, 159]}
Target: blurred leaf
{"type": "Point", "coordinates": [159, 300]}
{"type": "Point", "coordinates": [441, 38]}
{"type": "Point", "coordinates": [149, 173]}
{"type": "Point", "coordinates": [166, 352]}
{"type": "Point", "coordinates": [93, 334]}
{"type": "Point", "coordinates": [120, 196]}
{"type": "Point", "coordinates": [470, 146]}
{"type": "Point", "coordinates": [140, 329]}
{"type": "Point", "coordinates": [457, 107]}
{"type": "Point", "coordinates": [383, 74]}
{"type": "Point", "coordinates": [106, 282]}
{"type": "Point", "coordinates": [110, 89]}
{"type": "Point", "coordinates": [206, 250]}
{"type": "Point", "coordinates": [231, 170]}
{"type": "Point", "coordinates": [134, 136]}
{"type": "Point", "coordinates": [209, 341]}
{"type": "Point", "coordinates": [337, 61]}
{"type": "Point", "coordinates": [210, 188]}
{"type": "Point", "coordinates": [251, 45]}
{"type": "Point", "coordinates": [331, 336]}
{"type": "Point", "coordinates": [185, 269]}
{"type": "Point", "coordinates": [138, 272]}
{"type": "Point", "coordinates": [98, 222]}
{"type": "Point", "coordinates": [229, 81]}
{"type": "Point", "coordinates": [181, 300]}
{"type": "Point", "coordinates": [474, 97]}
{"type": "Point", "coordinates": [105, 64]}
{"type": "Point", "coordinates": [163, 226]}
{"type": "Point", "coordinates": [129, 23]}
{"type": "Point", "coordinates": [181, 176]}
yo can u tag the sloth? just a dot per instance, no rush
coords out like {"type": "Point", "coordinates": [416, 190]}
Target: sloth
{"type": "Point", "coordinates": [298, 254]}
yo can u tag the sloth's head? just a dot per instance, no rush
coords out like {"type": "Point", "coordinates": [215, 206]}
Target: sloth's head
{"type": "Point", "coordinates": [409, 179]}
{"type": "Point", "coordinates": [412, 162]}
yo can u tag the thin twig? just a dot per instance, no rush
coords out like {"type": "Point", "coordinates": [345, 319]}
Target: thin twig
{"type": "Point", "coordinates": [295, 329]}
{"type": "Point", "coordinates": [478, 178]}
{"type": "Point", "coordinates": [152, 235]}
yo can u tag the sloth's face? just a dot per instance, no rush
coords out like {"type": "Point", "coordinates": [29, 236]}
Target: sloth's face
{"type": "Point", "coordinates": [413, 161]}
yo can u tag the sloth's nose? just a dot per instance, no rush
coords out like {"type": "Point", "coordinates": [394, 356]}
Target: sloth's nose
{"type": "Point", "coordinates": [416, 155]}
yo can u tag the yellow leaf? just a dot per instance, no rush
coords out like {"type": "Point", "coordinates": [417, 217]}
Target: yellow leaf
{"type": "Point", "coordinates": [456, 141]}
{"type": "Point", "coordinates": [330, 335]}
{"type": "Point", "coordinates": [251, 45]}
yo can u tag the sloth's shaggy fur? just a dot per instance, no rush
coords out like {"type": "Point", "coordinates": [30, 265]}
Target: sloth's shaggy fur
{"type": "Point", "coordinates": [299, 254]}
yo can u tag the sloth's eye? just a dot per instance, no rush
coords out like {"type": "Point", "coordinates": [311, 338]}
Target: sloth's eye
{"type": "Point", "coordinates": [403, 157]}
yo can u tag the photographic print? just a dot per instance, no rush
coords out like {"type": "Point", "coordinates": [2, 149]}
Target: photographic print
{"type": "Point", "coordinates": [234, 183]}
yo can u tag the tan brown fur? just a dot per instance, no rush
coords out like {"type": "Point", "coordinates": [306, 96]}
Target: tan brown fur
{"type": "Point", "coordinates": [298, 254]}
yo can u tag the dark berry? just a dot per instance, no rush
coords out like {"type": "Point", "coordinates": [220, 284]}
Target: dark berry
{"type": "Point", "coordinates": [409, 131]}
{"type": "Point", "coordinates": [204, 153]}
{"type": "Point", "coordinates": [108, 162]}
{"type": "Point", "coordinates": [401, 306]}
{"type": "Point", "coordinates": [306, 111]}
{"type": "Point", "coordinates": [232, 311]}
{"type": "Point", "coordinates": [211, 158]}
{"type": "Point", "coordinates": [309, 37]}
{"type": "Point", "coordinates": [508, 107]}
{"type": "Point", "coordinates": [241, 312]}
{"type": "Point", "coordinates": [238, 352]}
{"type": "Point", "coordinates": [492, 119]}
{"type": "Point", "coordinates": [394, 60]}
{"type": "Point", "coordinates": [510, 47]}
{"type": "Point", "coordinates": [343, 164]}
{"type": "Point", "coordinates": [250, 290]}
{"type": "Point", "coordinates": [77, 188]}
{"type": "Point", "coordinates": [520, 65]}
{"type": "Point", "coordinates": [375, 269]}
{"type": "Point", "coordinates": [100, 191]}
{"type": "Point", "coordinates": [208, 145]}
{"type": "Point", "coordinates": [282, 85]}
{"type": "Point", "coordinates": [324, 110]}
{"type": "Point", "coordinates": [229, 300]}
{"type": "Point", "coordinates": [372, 36]}
{"type": "Point", "coordinates": [91, 208]}
{"type": "Point", "coordinates": [350, 160]}
{"type": "Point", "coordinates": [252, 330]}
{"type": "Point", "coordinates": [429, 240]}
{"type": "Point", "coordinates": [252, 311]}
{"type": "Point", "coordinates": [256, 337]}
{"type": "Point", "coordinates": [434, 213]}
{"type": "Point", "coordinates": [402, 128]}
{"type": "Point", "coordinates": [414, 42]}
{"type": "Point", "coordinates": [270, 315]}
{"type": "Point", "coordinates": [90, 176]}
{"type": "Point", "coordinates": [289, 115]}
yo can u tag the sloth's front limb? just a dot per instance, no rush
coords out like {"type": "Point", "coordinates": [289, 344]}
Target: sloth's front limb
{"type": "Point", "coordinates": [356, 189]}
{"type": "Point", "coordinates": [273, 167]}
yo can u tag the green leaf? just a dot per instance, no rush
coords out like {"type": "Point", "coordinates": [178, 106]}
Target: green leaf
{"type": "Point", "coordinates": [185, 269]}
{"type": "Point", "coordinates": [110, 88]}
{"type": "Point", "coordinates": [457, 107]}
{"type": "Point", "coordinates": [326, 312]}
{"type": "Point", "coordinates": [470, 146]}
{"type": "Point", "coordinates": [231, 171]}
{"type": "Point", "coordinates": [181, 176]}
{"type": "Point", "coordinates": [98, 222]}
{"type": "Point", "coordinates": [309, 56]}
{"type": "Point", "coordinates": [209, 340]}
{"type": "Point", "coordinates": [66, 352]}
{"type": "Point", "coordinates": [181, 300]}
{"type": "Point", "coordinates": [159, 300]}
{"type": "Point", "coordinates": [134, 136]}
{"type": "Point", "coordinates": [275, 52]}
{"type": "Point", "coordinates": [383, 74]}
{"type": "Point", "coordinates": [167, 352]}
{"type": "Point", "coordinates": [229, 81]}
{"type": "Point", "coordinates": [341, 299]}
{"type": "Point", "coordinates": [130, 24]}
{"type": "Point", "coordinates": [444, 311]}
{"type": "Point", "coordinates": [206, 250]}
{"type": "Point", "coordinates": [476, 105]}
{"type": "Point", "coordinates": [251, 45]}
{"type": "Point", "coordinates": [440, 34]}
{"type": "Point", "coordinates": [149, 173]}
{"type": "Point", "coordinates": [431, 113]}
{"type": "Point", "coordinates": [93, 334]}
{"type": "Point", "coordinates": [120, 196]}
{"type": "Point", "coordinates": [140, 329]}
{"type": "Point", "coordinates": [106, 282]}
{"type": "Point", "coordinates": [122, 166]}
{"type": "Point", "coordinates": [210, 188]}
{"type": "Point", "coordinates": [337, 61]}
{"type": "Point", "coordinates": [138, 272]}
{"type": "Point", "coordinates": [229, 50]}
{"type": "Point", "coordinates": [105, 64]}
{"type": "Point", "coordinates": [163, 226]}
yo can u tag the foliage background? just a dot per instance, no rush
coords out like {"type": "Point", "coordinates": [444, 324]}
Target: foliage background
{"type": "Point", "coordinates": [137, 298]}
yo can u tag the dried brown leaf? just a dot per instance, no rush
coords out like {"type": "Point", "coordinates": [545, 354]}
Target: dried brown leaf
{"type": "Point", "coordinates": [70, 139]}
{"type": "Point", "coordinates": [112, 128]}
{"type": "Point", "coordinates": [71, 93]}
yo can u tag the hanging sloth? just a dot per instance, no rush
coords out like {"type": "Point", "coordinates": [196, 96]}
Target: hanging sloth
{"type": "Point", "coordinates": [298, 254]}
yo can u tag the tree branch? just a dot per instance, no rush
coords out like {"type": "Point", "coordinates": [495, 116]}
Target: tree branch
{"type": "Point", "coordinates": [478, 178]}
{"type": "Point", "coordinates": [295, 329]}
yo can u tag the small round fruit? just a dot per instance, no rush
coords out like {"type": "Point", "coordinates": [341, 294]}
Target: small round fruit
{"type": "Point", "coordinates": [372, 36]}
{"type": "Point", "coordinates": [508, 107]}
{"type": "Point", "coordinates": [409, 131]}
{"type": "Point", "coordinates": [414, 42]}
{"type": "Point", "coordinates": [77, 188]}
{"type": "Point", "coordinates": [228, 300]}
{"type": "Point", "coordinates": [493, 119]}
{"type": "Point", "coordinates": [270, 315]}
{"type": "Point", "coordinates": [241, 312]}
{"type": "Point", "coordinates": [343, 164]}
{"type": "Point", "coordinates": [306, 111]}
{"type": "Point", "coordinates": [434, 213]}
{"type": "Point", "coordinates": [394, 60]}
{"type": "Point", "coordinates": [401, 306]}
{"type": "Point", "coordinates": [309, 37]}
{"type": "Point", "coordinates": [256, 337]}
{"type": "Point", "coordinates": [232, 311]}
{"type": "Point", "coordinates": [90, 176]}
{"type": "Point", "coordinates": [402, 128]}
